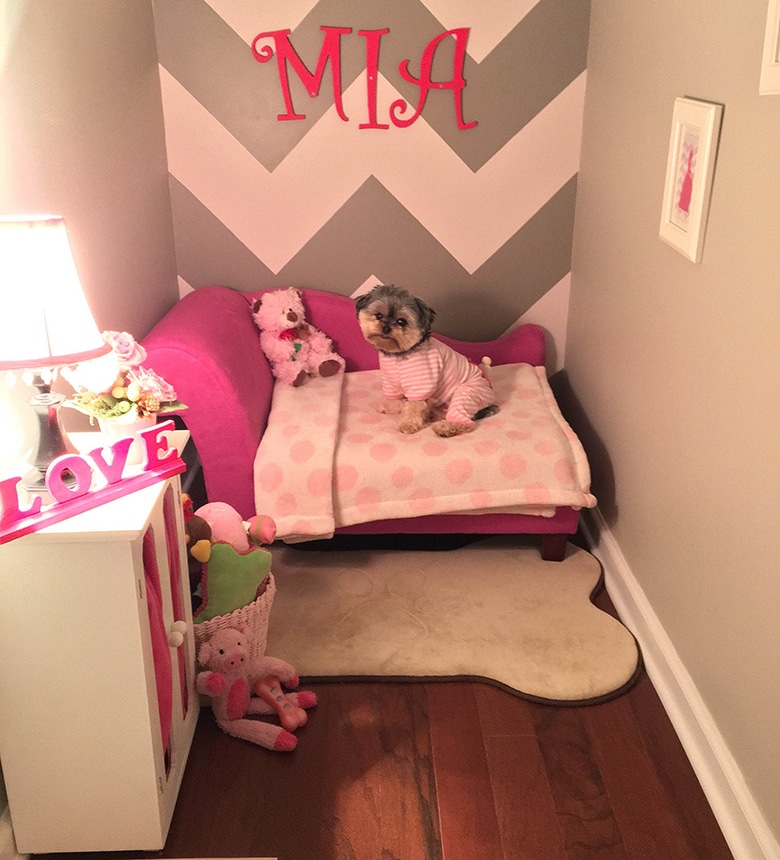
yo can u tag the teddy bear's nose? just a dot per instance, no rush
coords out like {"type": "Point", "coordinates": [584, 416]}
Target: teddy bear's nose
{"type": "Point", "coordinates": [292, 316]}
{"type": "Point", "coordinates": [237, 659]}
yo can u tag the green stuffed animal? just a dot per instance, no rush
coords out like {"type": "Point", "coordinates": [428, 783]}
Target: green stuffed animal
{"type": "Point", "coordinates": [231, 580]}
{"type": "Point", "coordinates": [236, 571]}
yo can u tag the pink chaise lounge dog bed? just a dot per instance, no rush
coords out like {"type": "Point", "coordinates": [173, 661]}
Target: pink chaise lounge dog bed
{"type": "Point", "coordinates": [522, 471]}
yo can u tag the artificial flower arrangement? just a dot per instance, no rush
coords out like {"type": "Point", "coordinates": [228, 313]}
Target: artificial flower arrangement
{"type": "Point", "coordinates": [117, 386]}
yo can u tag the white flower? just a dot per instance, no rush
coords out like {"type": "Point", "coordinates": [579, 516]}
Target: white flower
{"type": "Point", "coordinates": [98, 374]}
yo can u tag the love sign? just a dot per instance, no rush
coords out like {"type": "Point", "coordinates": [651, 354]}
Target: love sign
{"type": "Point", "coordinates": [70, 481]}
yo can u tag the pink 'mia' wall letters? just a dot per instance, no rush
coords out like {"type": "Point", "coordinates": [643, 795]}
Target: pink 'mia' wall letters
{"type": "Point", "coordinates": [286, 56]}
{"type": "Point", "coordinates": [69, 482]}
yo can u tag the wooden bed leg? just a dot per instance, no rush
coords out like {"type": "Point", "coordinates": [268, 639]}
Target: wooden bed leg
{"type": "Point", "coordinates": [554, 547]}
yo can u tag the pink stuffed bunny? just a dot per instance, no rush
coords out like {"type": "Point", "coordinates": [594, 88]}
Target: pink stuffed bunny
{"type": "Point", "coordinates": [231, 678]}
{"type": "Point", "coordinates": [295, 349]}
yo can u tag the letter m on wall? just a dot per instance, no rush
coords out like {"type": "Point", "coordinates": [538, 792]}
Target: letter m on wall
{"type": "Point", "coordinates": [286, 56]}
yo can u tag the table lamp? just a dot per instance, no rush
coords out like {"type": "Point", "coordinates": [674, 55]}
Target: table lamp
{"type": "Point", "coordinates": [45, 323]}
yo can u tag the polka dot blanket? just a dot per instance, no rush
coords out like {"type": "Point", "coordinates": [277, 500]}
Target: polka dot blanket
{"type": "Point", "coordinates": [329, 458]}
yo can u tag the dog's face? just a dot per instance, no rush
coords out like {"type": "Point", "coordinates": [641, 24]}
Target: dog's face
{"type": "Point", "coordinates": [392, 320]}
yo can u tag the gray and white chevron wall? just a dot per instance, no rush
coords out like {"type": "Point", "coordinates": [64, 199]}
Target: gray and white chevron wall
{"type": "Point", "coordinates": [477, 221]}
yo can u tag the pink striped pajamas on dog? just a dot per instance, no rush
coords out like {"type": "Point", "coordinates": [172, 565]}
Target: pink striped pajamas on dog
{"type": "Point", "coordinates": [433, 371]}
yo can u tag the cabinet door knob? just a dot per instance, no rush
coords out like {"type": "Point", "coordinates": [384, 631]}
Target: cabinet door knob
{"type": "Point", "coordinates": [176, 634]}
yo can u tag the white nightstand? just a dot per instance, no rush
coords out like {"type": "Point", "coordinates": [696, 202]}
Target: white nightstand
{"type": "Point", "coordinates": [88, 679]}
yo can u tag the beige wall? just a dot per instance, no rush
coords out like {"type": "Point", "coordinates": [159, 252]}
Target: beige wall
{"type": "Point", "coordinates": [81, 136]}
{"type": "Point", "coordinates": [675, 365]}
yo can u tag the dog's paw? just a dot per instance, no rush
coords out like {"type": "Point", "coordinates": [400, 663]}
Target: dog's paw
{"type": "Point", "coordinates": [450, 428]}
{"type": "Point", "coordinates": [392, 407]}
{"type": "Point", "coordinates": [410, 426]}
{"type": "Point", "coordinates": [415, 416]}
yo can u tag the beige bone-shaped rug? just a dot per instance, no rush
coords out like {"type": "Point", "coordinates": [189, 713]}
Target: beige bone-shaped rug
{"type": "Point", "coordinates": [491, 610]}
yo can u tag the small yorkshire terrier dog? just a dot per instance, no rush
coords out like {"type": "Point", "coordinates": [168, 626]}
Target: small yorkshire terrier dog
{"type": "Point", "coordinates": [423, 380]}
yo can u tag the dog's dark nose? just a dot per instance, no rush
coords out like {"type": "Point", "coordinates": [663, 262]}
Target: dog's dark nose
{"type": "Point", "coordinates": [386, 328]}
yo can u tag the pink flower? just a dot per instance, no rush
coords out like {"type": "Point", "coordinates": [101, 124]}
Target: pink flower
{"type": "Point", "coordinates": [128, 352]}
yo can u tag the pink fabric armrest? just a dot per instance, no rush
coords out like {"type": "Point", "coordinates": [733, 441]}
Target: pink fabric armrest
{"type": "Point", "coordinates": [208, 348]}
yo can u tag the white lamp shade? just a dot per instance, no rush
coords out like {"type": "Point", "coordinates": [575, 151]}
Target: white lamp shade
{"type": "Point", "coordinates": [45, 320]}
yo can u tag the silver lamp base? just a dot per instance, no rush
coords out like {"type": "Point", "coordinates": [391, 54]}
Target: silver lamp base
{"type": "Point", "coordinates": [52, 441]}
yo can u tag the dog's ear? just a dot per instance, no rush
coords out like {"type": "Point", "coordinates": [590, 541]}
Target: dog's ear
{"type": "Point", "coordinates": [427, 315]}
{"type": "Point", "coordinates": [364, 300]}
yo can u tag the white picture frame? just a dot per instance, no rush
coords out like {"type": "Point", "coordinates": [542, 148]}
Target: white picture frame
{"type": "Point", "coordinates": [769, 83]}
{"type": "Point", "coordinates": [690, 169]}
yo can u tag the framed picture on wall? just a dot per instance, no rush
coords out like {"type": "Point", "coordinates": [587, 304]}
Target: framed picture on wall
{"type": "Point", "coordinates": [770, 65]}
{"type": "Point", "coordinates": [689, 171]}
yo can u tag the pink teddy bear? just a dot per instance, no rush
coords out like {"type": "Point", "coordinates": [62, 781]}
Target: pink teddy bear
{"type": "Point", "coordinates": [239, 685]}
{"type": "Point", "coordinates": [295, 349]}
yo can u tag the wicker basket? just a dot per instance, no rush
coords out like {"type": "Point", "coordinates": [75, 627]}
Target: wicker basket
{"type": "Point", "coordinates": [254, 617]}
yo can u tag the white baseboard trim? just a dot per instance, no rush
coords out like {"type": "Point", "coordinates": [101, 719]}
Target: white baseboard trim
{"type": "Point", "coordinates": [7, 842]}
{"type": "Point", "coordinates": [743, 825]}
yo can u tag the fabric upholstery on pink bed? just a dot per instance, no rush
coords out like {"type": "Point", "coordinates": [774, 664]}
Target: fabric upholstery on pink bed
{"type": "Point", "coordinates": [208, 347]}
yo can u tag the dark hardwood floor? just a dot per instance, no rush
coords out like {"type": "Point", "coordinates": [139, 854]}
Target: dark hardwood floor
{"type": "Point", "coordinates": [448, 771]}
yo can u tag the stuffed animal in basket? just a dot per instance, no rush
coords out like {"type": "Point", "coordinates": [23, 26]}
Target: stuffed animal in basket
{"type": "Point", "coordinates": [226, 524]}
{"type": "Point", "coordinates": [197, 533]}
{"type": "Point", "coordinates": [295, 349]}
{"type": "Point", "coordinates": [236, 570]}
{"type": "Point", "coordinates": [239, 685]}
